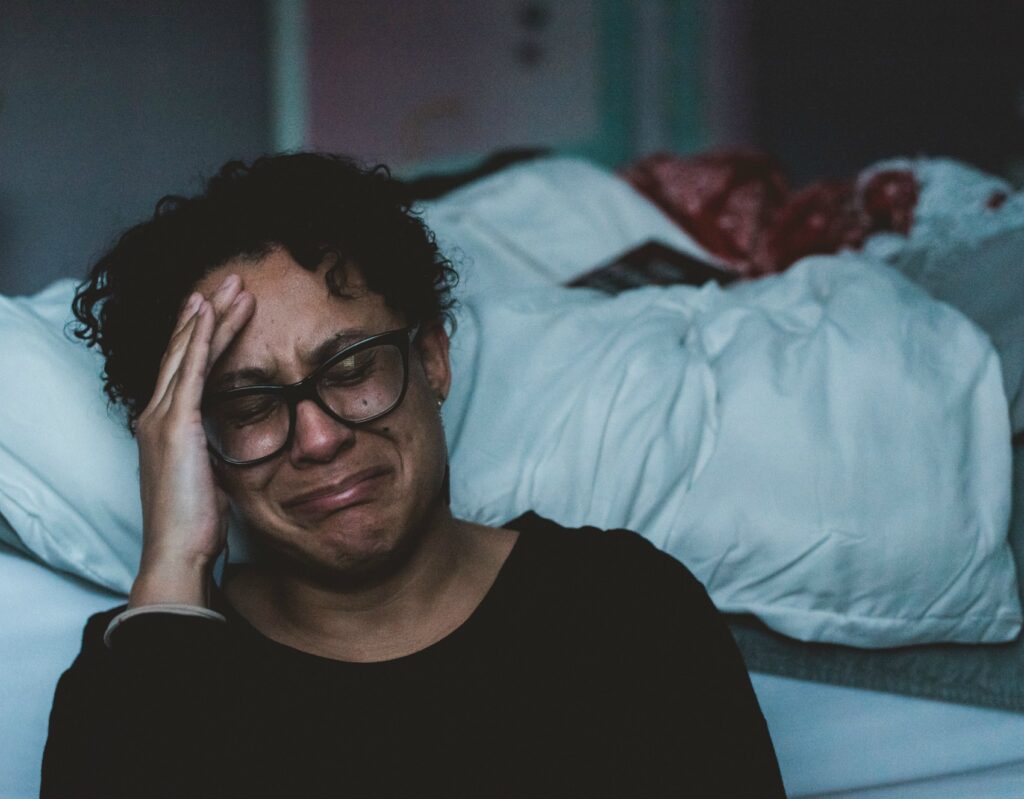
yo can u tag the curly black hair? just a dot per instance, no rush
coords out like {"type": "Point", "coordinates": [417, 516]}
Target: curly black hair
{"type": "Point", "coordinates": [315, 206]}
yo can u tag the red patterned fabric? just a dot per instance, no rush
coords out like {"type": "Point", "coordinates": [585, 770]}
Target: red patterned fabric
{"type": "Point", "coordinates": [723, 200]}
{"type": "Point", "coordinates": [738, 206]}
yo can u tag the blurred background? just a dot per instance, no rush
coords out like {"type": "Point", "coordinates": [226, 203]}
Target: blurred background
{"type": "Point", "coordinates": [106, 105]}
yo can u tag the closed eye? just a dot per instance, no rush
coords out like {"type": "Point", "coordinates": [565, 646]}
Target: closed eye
{"type": "Point", "coordinates": [246, 411]}
{"type": "Point", "coordinates": [350, 371]}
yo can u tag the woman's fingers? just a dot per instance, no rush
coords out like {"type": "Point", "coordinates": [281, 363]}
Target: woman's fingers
{"type": "Point", "coordinates": [172, 357]}
{"type": "Point", "coordinates": [229, 325]}
{"type": "Point", "coordinates": [225, 294]}
{"type": "Point", "coordinates": [192, 372]}
{"type": "Point", "coordinates": [212, 334]}
{"type": "Point", "coordinates": [221, 300]}
{"type": "Point", "coordinates": [188, 309]}
{"type": "Point", "coordinates": [197, 330]}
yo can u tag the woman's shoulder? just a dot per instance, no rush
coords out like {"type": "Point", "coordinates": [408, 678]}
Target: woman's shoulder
{"type": "Point", "coordinates": [617, 561]}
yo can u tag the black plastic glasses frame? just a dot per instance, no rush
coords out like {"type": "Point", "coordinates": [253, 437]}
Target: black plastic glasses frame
{"type": "Point", "coordinates": [305, 389]}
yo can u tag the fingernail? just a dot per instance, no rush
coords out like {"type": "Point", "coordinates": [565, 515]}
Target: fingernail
{"type": "Point", "coordinates": [228, 283]}
{"type": "Point", "coordinates": [192, 303]}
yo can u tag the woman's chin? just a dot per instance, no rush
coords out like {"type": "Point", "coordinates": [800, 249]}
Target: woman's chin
{"type": "Point", "coordinates": [351, 551]}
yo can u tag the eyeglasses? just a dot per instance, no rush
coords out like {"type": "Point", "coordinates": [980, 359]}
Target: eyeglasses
{"type": "Point", "coordinates": [252, 424]}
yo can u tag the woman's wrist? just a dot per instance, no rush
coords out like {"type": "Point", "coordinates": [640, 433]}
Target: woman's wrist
{"type": "Point", "coordinates": [177, 580]}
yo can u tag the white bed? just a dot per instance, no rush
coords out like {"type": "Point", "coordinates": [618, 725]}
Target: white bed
{"type": "Point", "coordinates": [830, 740]}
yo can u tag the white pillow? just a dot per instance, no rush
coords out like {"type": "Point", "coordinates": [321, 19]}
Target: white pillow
{"type": "Point", "coordinates": [68, 466]}
{"type": "Point", "coordinates": [827, 449]}
{"type": "Point", "coordinates": [69, 469]}
{"type": "Point", "coordinates": [545, 222]}
{"type": "Point", "coordinates": [966, 253]}
{"type": "Point", "coordinates": [9, 537]}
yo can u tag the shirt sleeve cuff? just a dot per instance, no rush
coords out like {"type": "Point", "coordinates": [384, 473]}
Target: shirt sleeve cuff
{"type": "Point", "coordinates": [163, 609]}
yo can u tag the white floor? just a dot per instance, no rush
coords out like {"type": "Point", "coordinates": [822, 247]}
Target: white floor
{"type": "Point", "coordinates": [833, 741]}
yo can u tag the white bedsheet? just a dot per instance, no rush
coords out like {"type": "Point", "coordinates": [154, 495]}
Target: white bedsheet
{"type": "Point", "coordinates": [42, 614]}
{"type": "Point", "coordinates": [833, 740]}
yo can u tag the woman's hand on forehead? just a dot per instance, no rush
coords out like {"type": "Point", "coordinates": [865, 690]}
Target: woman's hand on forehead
{"type": "Point", "coordinates": [184, 511]}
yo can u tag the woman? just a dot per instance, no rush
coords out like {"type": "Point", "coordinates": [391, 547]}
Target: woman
{"type": "Point", "coordinates": [280, 345]}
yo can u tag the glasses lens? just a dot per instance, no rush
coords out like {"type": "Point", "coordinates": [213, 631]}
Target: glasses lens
{"type": "Point", "coordinates": [365, 384]}
{"type": "Point", "coordinates": [247, 427]}
{"type": "Point", "coordinates": [254, 424]}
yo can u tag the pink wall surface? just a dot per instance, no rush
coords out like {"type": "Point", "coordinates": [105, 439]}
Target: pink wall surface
{"type": "Point", "coordinates": [408, 82]}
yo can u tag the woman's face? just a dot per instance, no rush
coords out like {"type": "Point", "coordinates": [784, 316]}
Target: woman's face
{"type": "Point", "coordinates": [376, 487]}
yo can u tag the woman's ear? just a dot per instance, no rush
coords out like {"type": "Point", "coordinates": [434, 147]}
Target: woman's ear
{"type": "Point", "coordinates": [433, 348]}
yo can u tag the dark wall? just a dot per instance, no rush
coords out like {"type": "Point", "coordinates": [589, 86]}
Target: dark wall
{"type": "Point", "coordinates": [105, 106]}
{"type": "Point", "coordinates": [839, 84]}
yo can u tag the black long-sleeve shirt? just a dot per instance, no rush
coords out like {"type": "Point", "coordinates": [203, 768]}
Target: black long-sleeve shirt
{"type": "Point", "coordinates": [595, 666]}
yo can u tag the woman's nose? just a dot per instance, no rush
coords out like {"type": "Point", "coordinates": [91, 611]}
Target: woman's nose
{"type": "Point", "coordinates": [317, 438]}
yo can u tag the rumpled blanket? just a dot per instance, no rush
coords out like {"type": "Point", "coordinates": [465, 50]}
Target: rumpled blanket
{"type": "Point", "coordinates": [827, 449]}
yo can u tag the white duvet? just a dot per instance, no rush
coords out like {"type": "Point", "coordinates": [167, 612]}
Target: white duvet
{"type": "Point", "coordinates": [828, 449]}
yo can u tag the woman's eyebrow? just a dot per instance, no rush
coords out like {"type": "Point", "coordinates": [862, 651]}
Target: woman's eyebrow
{"type": "Point", "coordinates": [249, 375]}
{"type": "Point", "coordinates": [335, 344]}
{"type": "Point", "coordinates": [255, 375]}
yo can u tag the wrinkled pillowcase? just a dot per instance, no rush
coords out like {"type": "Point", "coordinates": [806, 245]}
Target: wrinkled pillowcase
{"type": "Point", "coordinates": [966, 248]}
{"type": "Point", "coordinates": [68, 466]}
{"type": "Point", "coordinates": [827, 449]}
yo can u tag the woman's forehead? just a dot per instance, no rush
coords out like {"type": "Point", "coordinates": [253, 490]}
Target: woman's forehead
{"type": "Point", "coordinates": [296, 315]}
{"type": "Point", "coordinates": [277, 273]}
